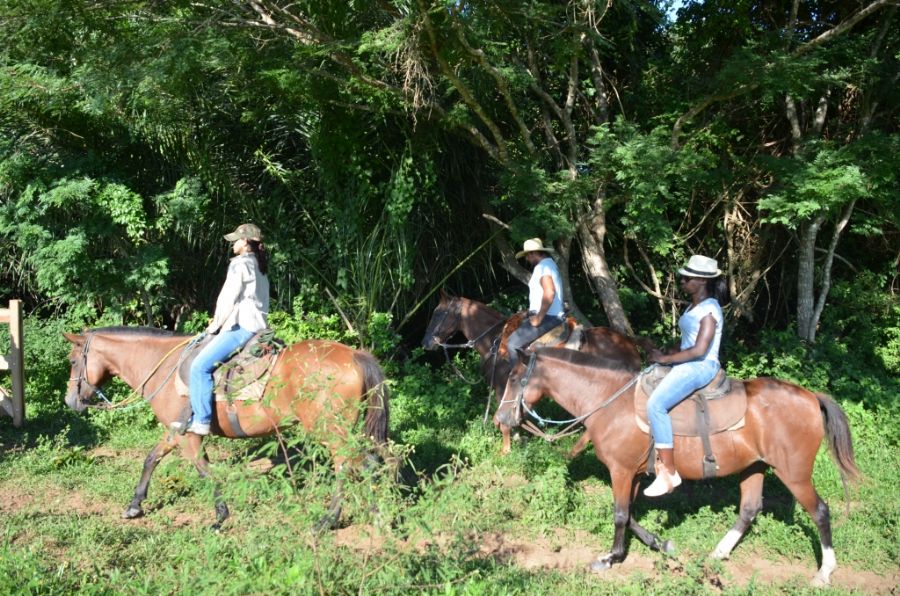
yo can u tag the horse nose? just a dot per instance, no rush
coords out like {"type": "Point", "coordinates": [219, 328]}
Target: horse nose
{"type": "Point", "coordinates": [429, 342]}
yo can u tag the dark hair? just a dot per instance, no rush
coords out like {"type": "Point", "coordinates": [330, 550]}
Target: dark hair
{"type": "Point", "coordinates": [718, 289]}
{"type": "Point", "coordinates": [262, 256]}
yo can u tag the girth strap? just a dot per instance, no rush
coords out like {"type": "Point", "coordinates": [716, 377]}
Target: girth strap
{"type": "Point", "coordinates": [233, 420]}
{"type": "Point", "coordinates": [709, 460]}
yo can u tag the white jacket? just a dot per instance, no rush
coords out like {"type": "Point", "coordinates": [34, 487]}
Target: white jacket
{"type": "Point", "coordinates": [244, 299]}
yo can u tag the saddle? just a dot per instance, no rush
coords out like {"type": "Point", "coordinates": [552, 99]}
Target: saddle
{"type": "Point", "coordinates": [569, 335]}
{"type": "Point", "coordinates": [244, 374]}
{"type": "Point", "coordinates": [718, 407]}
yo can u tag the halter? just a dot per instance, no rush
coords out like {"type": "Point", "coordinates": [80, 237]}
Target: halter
{"type": "Point", "coordinates": [520, 405]}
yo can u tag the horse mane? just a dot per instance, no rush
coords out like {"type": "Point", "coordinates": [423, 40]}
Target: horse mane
{"type": "Point", "coordinates": [586, 360]}
{"type": "Point", "coordinates": [134, 331]}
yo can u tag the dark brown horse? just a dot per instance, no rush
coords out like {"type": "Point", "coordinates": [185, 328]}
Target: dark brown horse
{"type": "Point", "coordinates": [482, 327]}
{"type": "Point", "coordinates": [318, 384]}
{"type": "Point", "coordinates": [784, 426]}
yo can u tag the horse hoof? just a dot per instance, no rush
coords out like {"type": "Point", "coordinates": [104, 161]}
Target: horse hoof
{"type": "Point", "coordinates": [601, 564]}
{"type": "Point", "coordinates": [132, 513]}
{"type": "Point", "coordinates": [819, 582]}
{"type": "Point", "coordinates": [668, 547]}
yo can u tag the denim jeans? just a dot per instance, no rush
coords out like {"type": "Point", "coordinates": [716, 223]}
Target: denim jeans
{"type": "Point", "coordinates": [681, 381]}
{"type": "Point", "coordinates": [207, 361]}
{"type": "Point", "coordinates": [526, 333]}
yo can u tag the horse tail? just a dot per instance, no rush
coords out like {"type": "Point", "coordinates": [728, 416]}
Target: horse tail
{"type": "Point", "coordinates": [840, 443]}
{"type": "Point", "coordinates": [376, 389]}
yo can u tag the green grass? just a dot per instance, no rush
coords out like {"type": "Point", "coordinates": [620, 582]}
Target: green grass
{"type": "Point", "coordinates": [63, 493]}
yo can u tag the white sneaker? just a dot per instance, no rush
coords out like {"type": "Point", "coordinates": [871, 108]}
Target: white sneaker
{"type": "Point", "coordinates": [199, 428]}
{"type": "Point", "coordinates": [664, 484]}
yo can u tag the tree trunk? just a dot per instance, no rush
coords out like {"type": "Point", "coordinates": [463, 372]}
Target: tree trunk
{"type": "Point", "coordinates": [806, 279]}
{"type": "Point", "coordinates": [591, 230]}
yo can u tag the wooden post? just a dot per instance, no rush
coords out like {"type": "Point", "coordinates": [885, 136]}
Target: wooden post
{"type": "Point", "coordinates": [15, 363]}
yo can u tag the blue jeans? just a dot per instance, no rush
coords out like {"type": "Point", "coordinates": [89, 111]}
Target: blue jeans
{"type": "Point", "coordinates": [526, 333]}
{"type": "Point", "coordinates": [681, 381]}
{"type": "Point", "coordinates": [207, 361]}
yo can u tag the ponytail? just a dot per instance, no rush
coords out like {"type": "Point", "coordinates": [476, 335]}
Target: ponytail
{"type": "Point", "coordinates": [262, 256]}
{"type": "Point", "coordinates": [717, 287]}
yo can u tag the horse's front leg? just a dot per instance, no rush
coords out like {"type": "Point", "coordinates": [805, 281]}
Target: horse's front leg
{"type": "Point", "coordinates": [162, 449]}
{"type": "Point", "coordinates": [191, 445]}
{"type": "Point", "coordinates": [644, 535]}
{"type": "Point", "coordinates": [622, 483]}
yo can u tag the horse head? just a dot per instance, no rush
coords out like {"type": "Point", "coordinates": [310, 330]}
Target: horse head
{"type": "Point", "coordinates": [520, 393]}
{"type": "Point", "coordinates": [87, 373]}
{"type": "Point", "coordinates": [444, 321]}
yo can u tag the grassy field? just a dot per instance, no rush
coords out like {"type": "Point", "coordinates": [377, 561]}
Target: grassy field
{"type": "Point", "coordinates": [467, 521]}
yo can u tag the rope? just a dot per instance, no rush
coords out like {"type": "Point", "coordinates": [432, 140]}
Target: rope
{"type": "Point", "coordinates": [136, 394]}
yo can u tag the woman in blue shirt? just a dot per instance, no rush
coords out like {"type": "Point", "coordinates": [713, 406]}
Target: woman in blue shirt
{"type": "Point", "coordinates": [694, 365]}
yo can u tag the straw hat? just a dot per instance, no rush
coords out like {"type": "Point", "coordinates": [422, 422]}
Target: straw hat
{"type": "Point", "coordinates": [700, 266]}
{"type": "Point", "coordinates": [533, 245]}
{"type": "Point", "coordinates": [248, 230]}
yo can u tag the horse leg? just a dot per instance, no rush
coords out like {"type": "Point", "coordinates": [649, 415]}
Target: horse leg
{"type": "Point", "coordinates": [162, 449]}
{"type": "Point", "coordinates": [622, 483]}
{"type": "Point", "coordinates": [805, 493]}
{"type": "Point", "coordinates": [751, 504]}
{"type": "Point", "coordinates": [191, 444]}
{"type": "Point", "coordinates": [505, 449]}
{"type": "Point", "coordinates": [583, 441]}
{"type": "Point", "coordinates": [649, 538]}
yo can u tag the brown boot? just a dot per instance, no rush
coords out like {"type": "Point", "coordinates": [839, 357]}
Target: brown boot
{"type": "Point", "coordinates": [667, 478]}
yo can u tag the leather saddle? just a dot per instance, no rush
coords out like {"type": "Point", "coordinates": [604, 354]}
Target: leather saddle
{"type": "Point", "coordinates": [244, 374]}
{"type": "Point", "coordinates": [568, 335]}
{"type": "Point", "coordinates": [726, 403]}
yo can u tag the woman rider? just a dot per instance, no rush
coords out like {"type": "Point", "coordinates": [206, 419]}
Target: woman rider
{"type": "Point", "coordinates": [242, 309]}
{"type": "Point", "coordinates": [694, 365]}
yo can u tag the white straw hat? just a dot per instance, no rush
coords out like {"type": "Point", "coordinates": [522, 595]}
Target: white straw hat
{"type": "Point", "coordinates": [533, 245]}
{"type": "Point", "coordinates": [700, 266]}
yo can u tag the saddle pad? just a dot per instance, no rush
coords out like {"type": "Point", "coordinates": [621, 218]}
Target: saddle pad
{"type": "Point", "coordinates": [568, 335]}
{"type": "Point", "coordinates": [243, 377]}
{"type": "Point", "coordinates": [725, 412]}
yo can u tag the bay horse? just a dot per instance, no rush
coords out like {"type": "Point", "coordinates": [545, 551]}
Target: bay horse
{"type": "Point", "coordinates": [482, 326]}
{"type": "Point", "coordinates": [784, 426]}
{"type": "Point", "coordinates": [320, 385]}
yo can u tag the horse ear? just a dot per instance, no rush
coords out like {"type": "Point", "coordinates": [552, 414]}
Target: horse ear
{"type": "Point", "coordinates": [443, 295]}
{"type": "Point", "coordinates": [73, 338]}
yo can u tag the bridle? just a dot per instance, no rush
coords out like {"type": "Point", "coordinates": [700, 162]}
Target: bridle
{"type": "Point", "coordinates": [135, 394]}
{"type": "Point", "coordinates": [82, 376]}
{"type": "Point", "coordinates": [572, 423]}
{"type": "Point", "coordinates": [456, 310]}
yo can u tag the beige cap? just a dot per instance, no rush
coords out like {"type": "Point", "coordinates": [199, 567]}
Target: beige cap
{"type": "Point", "coordinates": [248, 230]}
{"type": "Point", "coordinates": [700, 266]}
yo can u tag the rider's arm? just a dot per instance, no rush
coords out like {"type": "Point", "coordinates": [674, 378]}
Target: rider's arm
{"type": "Point", "coordinates": [228, 296]}
{"type": "Point", "coordinates": [695, 352]}
{"type": "Point", "coordinates": [546, 300]}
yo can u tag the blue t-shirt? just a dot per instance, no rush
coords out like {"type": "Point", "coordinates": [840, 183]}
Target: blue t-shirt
{"type": "Point", "coordinates": [689, 323]}
{"type": "Point", "coordinates": [547, 266]}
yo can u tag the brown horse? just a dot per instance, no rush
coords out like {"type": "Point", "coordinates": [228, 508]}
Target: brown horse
{"type": "Point", "coordinates": [482, 327]}
{"type": "Point", "coordinates": [783, 429]}
{"type": "Point", "coordinates": [318, 384]}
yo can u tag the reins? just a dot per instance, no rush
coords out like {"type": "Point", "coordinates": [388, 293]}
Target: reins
{"type": "Point", "coordinates": [571, 423]}
{"type": "Point", "coordinates": [135, 394]}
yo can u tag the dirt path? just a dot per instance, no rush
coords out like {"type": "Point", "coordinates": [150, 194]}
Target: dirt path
{"type": "Point", "coordinates": [564, 553]}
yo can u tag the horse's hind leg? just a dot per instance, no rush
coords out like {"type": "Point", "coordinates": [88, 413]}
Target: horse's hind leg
{"type": "Point", "coordinates": [192, 446]}
{"type": "Point", "coordinates": [805, 493]}
{"type": "Point", "coordinates": [751, 504]}
{"type": "Point", "coordinates": [162, 449]}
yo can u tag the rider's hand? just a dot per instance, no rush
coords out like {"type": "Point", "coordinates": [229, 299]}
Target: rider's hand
{"type": "Point", "coordinates": [535, 320]}
{"type": "Point", "coordinates": [655, 356]}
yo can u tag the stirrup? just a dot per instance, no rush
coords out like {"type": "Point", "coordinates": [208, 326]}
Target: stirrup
{"type": "Point", "coordinates": [663, 484]}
